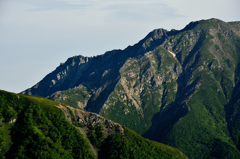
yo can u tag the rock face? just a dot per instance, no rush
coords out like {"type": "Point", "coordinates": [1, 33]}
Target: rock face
{"type": "Point", "coordinates": [92, 119]}
{"type": "Point", "coordinates": [176, 87]}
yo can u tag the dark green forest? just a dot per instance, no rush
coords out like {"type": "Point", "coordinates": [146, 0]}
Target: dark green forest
{"type": "Point", "coordinates": [132, 145]}
{"type": "Point", "coordinates": [40, 131]}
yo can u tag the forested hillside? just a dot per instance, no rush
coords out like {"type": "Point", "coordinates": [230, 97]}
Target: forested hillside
{"type": "Point", "coordinates": [35, 127]}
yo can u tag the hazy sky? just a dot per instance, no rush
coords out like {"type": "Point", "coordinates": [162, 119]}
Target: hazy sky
{"type": "Point", "coordinates": [37, 35]}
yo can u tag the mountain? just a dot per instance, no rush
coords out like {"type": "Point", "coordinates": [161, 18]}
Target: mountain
{"type": "Point", "coordinates": [35, 127]}
{"type": "Point", "coordinates": [179, 87]}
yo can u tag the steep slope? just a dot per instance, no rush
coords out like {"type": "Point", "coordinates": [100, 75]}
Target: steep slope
{"type": "Point", "coordinates": [34, 127]}
{"type": "Point", "coordinates": [177, 87]}
{"type": "Point", "coordinates": [38, 129]}
{"type": "Point", "coordinates": [209, 82]}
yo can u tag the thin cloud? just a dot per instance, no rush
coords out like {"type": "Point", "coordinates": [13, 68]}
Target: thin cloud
{"type": "Point", "coordinates": [144, 12]}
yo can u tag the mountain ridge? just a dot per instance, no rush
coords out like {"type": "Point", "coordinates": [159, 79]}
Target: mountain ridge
{"type": "Point", "coordinates": [169, 81]}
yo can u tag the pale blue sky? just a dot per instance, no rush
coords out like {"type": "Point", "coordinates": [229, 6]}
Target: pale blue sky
{"type": "Point", "coordinates": [37, 35]}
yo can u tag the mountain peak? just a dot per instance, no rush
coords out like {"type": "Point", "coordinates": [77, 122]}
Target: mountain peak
{"type": "Point", "coordinates": [180, 87]}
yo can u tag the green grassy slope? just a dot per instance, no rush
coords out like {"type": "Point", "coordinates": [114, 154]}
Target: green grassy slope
{"type": "Point", "coordinates": [75, 97]}
{"type": "Point", "coordinates": [38, 129]}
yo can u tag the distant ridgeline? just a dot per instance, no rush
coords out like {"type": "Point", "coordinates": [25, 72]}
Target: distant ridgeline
{"type": "Point", "coordinates": [178, 87]}
{"type": "Point", "coordinates": [35, 127]}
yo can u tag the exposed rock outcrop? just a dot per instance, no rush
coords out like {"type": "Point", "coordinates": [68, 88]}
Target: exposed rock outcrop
{"type": "Point", "coordinates": [93, 119]}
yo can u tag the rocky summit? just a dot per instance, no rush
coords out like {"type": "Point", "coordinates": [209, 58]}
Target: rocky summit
{"type": "Point", "coordinates": [179, 87]}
